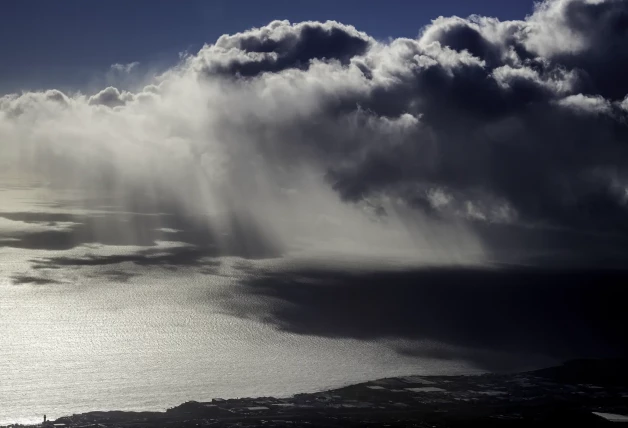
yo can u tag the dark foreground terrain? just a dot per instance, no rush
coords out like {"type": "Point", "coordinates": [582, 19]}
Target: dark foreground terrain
{"type": "Point", "coordinates": [578, 393]}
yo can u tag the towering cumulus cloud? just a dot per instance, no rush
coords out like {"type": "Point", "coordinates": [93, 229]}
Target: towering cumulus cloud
{"type": "Point", "coordinates": [476, 120]}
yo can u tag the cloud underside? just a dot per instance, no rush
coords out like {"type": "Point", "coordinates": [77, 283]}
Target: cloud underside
{"type": "Point", "coordinates": [519, 122]}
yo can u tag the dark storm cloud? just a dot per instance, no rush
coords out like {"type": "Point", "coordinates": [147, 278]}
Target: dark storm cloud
{"type": "Point", "coordinates": [523, 116]}
{"type": "Point", "coordinates": [520, 122]}
{"type": "Point", "coordinates": [603, 29]}
{"type": "Point", "coordinates": [280, 46]}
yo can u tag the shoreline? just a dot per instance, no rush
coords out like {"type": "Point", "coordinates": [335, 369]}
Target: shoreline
{"type": "Point", "coordinates": [36, 421]}
{"type": "Point", "coordinates": [579, 387]}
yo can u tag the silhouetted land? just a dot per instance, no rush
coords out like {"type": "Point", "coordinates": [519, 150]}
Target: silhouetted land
{"type": "Point", "coordinates": [567, 395]}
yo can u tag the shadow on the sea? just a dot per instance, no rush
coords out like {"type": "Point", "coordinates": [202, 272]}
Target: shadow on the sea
{"type": "Point", "coordinates": [172, 257]}
{"type": "Point", "coordinates": [558, 314]}
{"type": "Point", "coordinates": [115, 275]}
{"type": "Point", "coordinates": [240, 236]}
{"type": "Point", "coordinates": [29, 279]}
{"type": "Point", "coordinates": [554, 247]}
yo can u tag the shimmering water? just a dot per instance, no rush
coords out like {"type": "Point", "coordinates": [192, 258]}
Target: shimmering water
{"type": "Point", "coordinates": [105, 308]}
{"type": "Point", "coordinates": [160, 340]}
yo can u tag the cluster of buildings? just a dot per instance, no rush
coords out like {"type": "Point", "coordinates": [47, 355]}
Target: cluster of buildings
{"type": "Point", "coordinates": [403, 401]}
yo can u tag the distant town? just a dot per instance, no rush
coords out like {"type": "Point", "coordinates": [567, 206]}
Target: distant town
{"type": "Point", "coordinates": [579, 393]}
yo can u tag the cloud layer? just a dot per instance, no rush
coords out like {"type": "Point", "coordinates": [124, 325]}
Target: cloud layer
{"type": "Point", "coordinates": [476, 120]}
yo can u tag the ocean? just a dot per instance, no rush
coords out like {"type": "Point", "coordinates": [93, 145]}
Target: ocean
{"type": "Point", "coordinates": [106, 308]}
{"type": "Point", "coordinates": [157, 340]}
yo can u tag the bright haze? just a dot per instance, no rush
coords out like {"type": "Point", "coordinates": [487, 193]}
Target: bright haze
{"type": "Point", "coordinates": [410, 188]}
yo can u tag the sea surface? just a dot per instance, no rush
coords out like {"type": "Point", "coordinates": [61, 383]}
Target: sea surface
{"type": "Point", "coordinates": [161, 340]}
{"type": "Point", "coordinates": [106, 307]}
{"type": "Point", "coordinates": [96, 315]}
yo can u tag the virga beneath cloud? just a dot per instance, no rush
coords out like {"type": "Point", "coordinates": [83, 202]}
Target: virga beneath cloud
{"type": "Point", "coordinates": [411, 143]}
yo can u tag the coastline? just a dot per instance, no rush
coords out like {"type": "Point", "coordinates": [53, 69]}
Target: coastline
{"type": "Point", "coordinates": [575, 389]}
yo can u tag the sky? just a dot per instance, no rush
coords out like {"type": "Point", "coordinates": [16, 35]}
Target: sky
{"type": "Point", "coordinates": [283, 152]}
{"type": "Point", "coordinates": [71, 44]}
{"type": "Point", "coordinates": [390, 124]}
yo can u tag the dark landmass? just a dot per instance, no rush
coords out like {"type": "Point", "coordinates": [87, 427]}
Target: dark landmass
{"type": "Point", "coordinates": [569, 395]}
